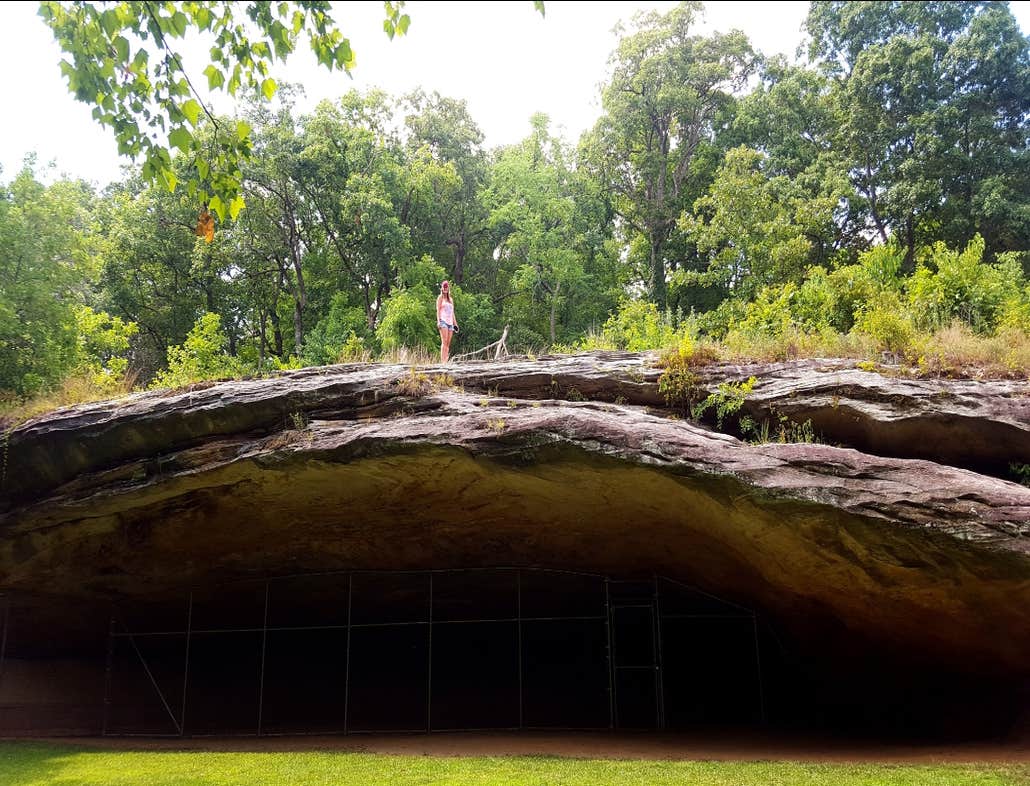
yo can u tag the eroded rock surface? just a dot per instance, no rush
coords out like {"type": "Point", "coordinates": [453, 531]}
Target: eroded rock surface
{"type": "Point", "coordinates": [534, 463]}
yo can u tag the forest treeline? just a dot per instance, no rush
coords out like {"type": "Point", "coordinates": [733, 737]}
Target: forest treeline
{"type": "Point", "coordinates": [874, 197]}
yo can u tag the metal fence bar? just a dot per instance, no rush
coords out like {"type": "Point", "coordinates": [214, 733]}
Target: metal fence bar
{"type": "Point", "coordinates": [706, 594]}
{"type": "Point", "coordinates": [429, 672]}
{"type": "Point", "coordinates": [659, 675]}
{"type": "Point", "coordinates": [612, 658]}
{"type": "Point", "coordinates": [153, 681]}
{"type": "Point", "coordinates": [6, 603]}
{"type": "Point", "coordinates": [346, 673]}
{"type": "Point", "coordinates": [581, 618]}
{"type": "Point", "coordinates": [518, 612]}
{"type": "Point", "coordinates": [186, 661]}
{"type": "Point", "coordinates": [107, 678]}
{"type": "Point", "coordinates": [758, 666]}
{"type": "Point", "coordinates": [707, 616]}
{"type": "Point", "coordinates": [264, 647]}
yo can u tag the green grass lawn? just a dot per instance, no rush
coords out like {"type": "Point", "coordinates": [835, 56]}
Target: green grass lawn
{"type": "Point", "coordinates": [35, 764]}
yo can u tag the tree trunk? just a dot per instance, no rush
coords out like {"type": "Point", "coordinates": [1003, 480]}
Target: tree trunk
{"type": "Point", "coordinates": [659, 290]}
{"type": "Point", "coordinates": [908, 265]}
{"type": "Point", "coordinates": [298, 326]}
{"type": "Point", "coordinates": [459, 261]}
{"type": "Point", "coordinates": [554, 308]}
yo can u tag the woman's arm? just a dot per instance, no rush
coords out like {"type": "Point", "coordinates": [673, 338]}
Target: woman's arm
{"type": "Point", "coordinates": [439, 305]}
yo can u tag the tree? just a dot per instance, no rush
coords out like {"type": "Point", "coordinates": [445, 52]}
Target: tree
{"type": "Point", "coordinates": [441, 130]}
{"type": "Point", "coordinates": [666, 89]}
{"type": "Point", "coordinates": [46, 260]}
{"type": "Point", "coordinates": [545, 241]}
{"type": "Point", "coordinates": [124, 61]}
{"type": "Point", "coordinates": [931, 101]}
{"type": "Point", "coordinates": [758, 230]}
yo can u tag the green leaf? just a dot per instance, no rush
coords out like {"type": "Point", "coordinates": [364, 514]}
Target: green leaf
{"type": "Point", "coordinates": [217, 206]}
{"type": "Point", "coordinates": [242, 129]}
{"type": "Point", "coordinates": [109, 21]}
{"type": "Point", "coordinates": [169, 178]}
{"type": "Point", "coordinates": [268, 87]}
{"type": "Point", "coordinates": [539, 6]}
{"type": "Point", "coordinates": [202, 169]}
{"type": "Point", "coordinates": [192, 111]}
{"type": "Point", "coordinates": [236, 206]}
{"type": "Point", "coordinates": [215, 78]}
{"type": "Point", "coordinates": [181, 138]}
{"type": "Point", "coordinates": [121, 46]}
{"type": "Point", "coordinates": [179, 23]}
{"type": "Point", "coordinates": [402, 24]}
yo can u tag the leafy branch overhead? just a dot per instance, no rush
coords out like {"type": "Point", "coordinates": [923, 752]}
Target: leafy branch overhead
{"type": "Point", "coordinates": [125, 60]}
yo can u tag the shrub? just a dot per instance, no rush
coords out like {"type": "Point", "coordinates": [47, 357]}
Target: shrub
{"type": "Point", "coordinates": [887, 324]}
{"type": "Point", "coordinates": [326, 340]}
{"type": "Point", "coordinates": [200, 357]}
{"type": "Point", "coordinates": [950, 285]}
{"type": "Point", "coordinates": [409, 320]}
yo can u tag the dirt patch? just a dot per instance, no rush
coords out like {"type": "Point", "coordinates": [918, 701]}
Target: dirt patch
{"type": "Point", "coordinates": [599, 745]}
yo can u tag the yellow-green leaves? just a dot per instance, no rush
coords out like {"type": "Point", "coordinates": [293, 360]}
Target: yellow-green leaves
{"type": "Point", "coordinates": [146, 96]}
{"type": "Point", "coordinates": [191, 109]}
{"type": "Point", "coordinates": [181, 138]}
{"type": "Point", "coordinates": [217, 206]}
{"type": "Point", "coordinates": [236, 206]}
{"type": "Point", "coordinates": [396, 23]}
{"type": "Point", "coordinates": [215, 77]}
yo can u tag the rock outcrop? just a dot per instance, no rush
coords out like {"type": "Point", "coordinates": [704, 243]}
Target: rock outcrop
{"type": "Point", "coordinates": [571, 462]}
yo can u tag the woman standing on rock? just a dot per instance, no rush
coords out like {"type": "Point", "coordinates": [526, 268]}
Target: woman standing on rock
{"type": "Point", "coordinates": [445, 320]}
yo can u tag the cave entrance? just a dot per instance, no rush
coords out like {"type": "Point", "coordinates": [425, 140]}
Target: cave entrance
{"type": "Point", "coordinates": [428, 651]}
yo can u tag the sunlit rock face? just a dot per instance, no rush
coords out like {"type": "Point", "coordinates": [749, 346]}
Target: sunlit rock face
{"type": "Point", "coordinates": [573, 463]}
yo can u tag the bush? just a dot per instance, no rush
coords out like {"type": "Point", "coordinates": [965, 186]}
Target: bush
{"type": "Point", "coordinates": [103, 341]}
{"type": "Point", "coordinates": [200, 357]}
{"type": "Point", "coordinates": [950, 285]}
{"type": "Point", "coordinates": [409, 320]}
{"type": "Point", "coordinates": [887, 324]}
{"type": "Point", "coordinates": [327, 339]}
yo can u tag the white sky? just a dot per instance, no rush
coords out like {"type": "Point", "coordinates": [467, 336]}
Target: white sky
{"type": "Point", "coordinates": [502, 57]}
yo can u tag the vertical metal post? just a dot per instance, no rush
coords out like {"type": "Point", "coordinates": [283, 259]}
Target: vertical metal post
{"type": "Point", "coordinates": [186, 663]}
{"type": "Point", "coordinates": [107, 677]}
{"type": "Point", "coordinates": [5, 608]}
{"type": "Point", "coordinates": [346, 671]}
{"type": "Point", "coordinates": [612, 713]}
{"type": "Point", "coordinates": [658, 664]}
{"type": "Point", "coordinates": [264, 641]}
{"type": "Point", "coordinates": [758, 666]}
{"type": "Point", "coordinates": [429, 674]}
{"type": "Point", "coordinates": [518, 613]}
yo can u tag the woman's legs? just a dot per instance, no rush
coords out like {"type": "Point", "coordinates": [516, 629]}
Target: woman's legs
{"type": "Point", "coordinates": [445, 344]}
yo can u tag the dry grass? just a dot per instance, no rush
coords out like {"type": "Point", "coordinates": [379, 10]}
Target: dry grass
{"type": "Point", "coordinates": [954, 351]}
{"type": "Point", "coordinates": [417, 356]}
{"type": "Point", "coordinates": [76, 389]}
{"type": "Point", "coordinates": [958, 352]}
{"type": "Point", "coordinates": [794, 345]}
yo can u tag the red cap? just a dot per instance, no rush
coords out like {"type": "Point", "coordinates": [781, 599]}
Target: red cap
{"type": "Point", "coordinates": [445, 285]}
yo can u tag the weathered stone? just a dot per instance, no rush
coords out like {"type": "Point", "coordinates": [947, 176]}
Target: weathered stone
{"type": "Point", "coordinates": [337, 469]}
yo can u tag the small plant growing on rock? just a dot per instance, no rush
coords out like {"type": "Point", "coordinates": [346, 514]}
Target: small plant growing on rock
{"type": "Point", "coordinates": [414, 384]}
{"type": "Point", "coordinates": [727, 400]}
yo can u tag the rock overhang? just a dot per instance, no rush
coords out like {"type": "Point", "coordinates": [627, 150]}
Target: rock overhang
{"type": "Point", "coordinates": [337, 469]}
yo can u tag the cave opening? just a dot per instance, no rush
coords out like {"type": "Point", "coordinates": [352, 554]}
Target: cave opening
{"type": "Point", "coordinates": [382, 651]}
{"type": "Point", "coordinates": [401, 651]}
